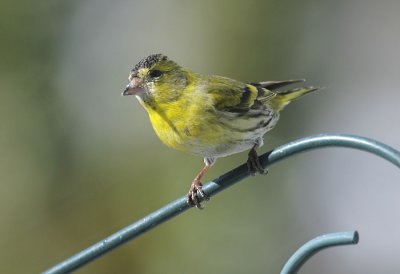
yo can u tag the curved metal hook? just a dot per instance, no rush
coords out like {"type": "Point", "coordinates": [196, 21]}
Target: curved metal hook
{"type": "Point", "coordinates": [305, 144]}
{"type": "Point", "coordinates": [315, 245]}
{"type": "Point", "coordinates": [180, 205]}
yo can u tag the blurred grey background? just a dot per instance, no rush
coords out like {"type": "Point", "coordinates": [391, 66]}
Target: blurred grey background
{"type": "Point", "coordinates": [78, 161]}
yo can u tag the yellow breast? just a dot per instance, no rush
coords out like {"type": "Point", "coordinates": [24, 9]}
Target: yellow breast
{"type": "Point", "coordinates": [188, 126]}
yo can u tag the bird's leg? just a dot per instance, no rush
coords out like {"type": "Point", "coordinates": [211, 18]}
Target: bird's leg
{"type": "Point", "coordinates": [196, 187]}
{"type": "Point", "coordinates": [253, 162]}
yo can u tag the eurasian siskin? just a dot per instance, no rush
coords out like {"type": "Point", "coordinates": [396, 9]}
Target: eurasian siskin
{"type": "Point", "coordinates": [210, 116]}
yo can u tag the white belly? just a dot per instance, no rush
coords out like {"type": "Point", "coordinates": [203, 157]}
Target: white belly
{"type": "Point", "coordinates": [247, 140]}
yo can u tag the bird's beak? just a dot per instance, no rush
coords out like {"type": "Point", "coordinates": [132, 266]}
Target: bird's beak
{"type": "Point", "coordinates": [134, 87]}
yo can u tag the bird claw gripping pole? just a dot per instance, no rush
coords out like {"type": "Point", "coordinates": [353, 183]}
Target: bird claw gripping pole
{"type": "Point", "coordinates": [210, 189]}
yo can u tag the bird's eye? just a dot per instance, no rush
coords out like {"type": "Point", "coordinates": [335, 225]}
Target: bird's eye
{"type": "Point", "coordinates": [155, 73]}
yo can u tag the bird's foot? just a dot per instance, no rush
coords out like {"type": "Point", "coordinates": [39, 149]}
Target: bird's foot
{"type": "Point", "coordinates": [196, 194]}
{"type": "Point", "coordinates": [254, 165]}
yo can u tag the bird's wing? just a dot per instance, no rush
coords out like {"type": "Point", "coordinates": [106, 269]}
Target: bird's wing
{"type": "Point", "coordinates": [268, 92]}
{"type": "Point", "coordinates": [232, 96]}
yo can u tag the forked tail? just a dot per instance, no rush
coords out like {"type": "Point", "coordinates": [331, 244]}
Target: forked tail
{"type": "Point", "coordinates": [283, 98]}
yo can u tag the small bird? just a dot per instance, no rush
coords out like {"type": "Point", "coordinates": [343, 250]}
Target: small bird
{"type": "Point", "coordinates": [209, 116]}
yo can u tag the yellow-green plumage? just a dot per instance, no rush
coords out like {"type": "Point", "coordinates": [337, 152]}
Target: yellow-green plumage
{"type": "Point", "coordinates": [210, 116]}
{"type": "Point", "coordinates": [282, 99]}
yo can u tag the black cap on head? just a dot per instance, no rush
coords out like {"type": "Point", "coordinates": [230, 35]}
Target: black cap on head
{"type": "Point", "coordinates": [149, 61]}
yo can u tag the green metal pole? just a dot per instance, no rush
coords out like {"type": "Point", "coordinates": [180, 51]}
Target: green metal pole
{"type": "Point", "coordinates": [179, 206]}
{"type": "Point", "coordinates": [307, 250]}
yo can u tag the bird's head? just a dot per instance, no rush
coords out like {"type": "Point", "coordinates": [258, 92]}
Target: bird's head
{"type": "Point", "coordinates": [157, 79]}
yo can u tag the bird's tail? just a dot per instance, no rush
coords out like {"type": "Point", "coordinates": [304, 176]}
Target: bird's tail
{"type": "Point", "coordinates": [283, 98]}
